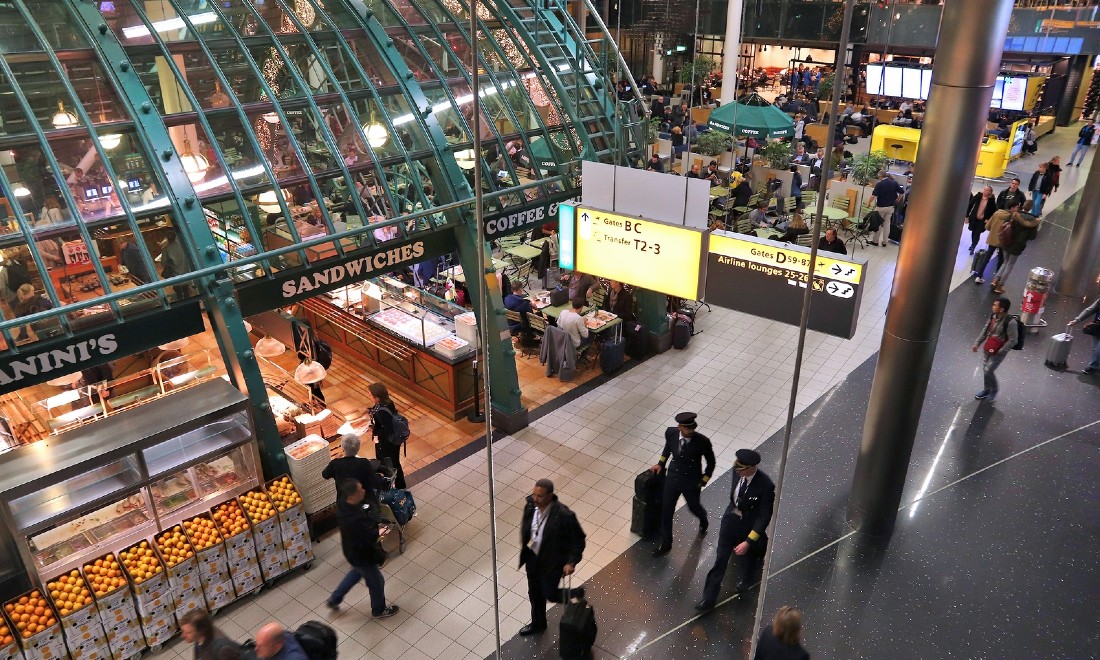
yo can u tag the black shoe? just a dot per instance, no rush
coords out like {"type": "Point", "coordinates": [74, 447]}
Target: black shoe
{"type": "Point", "coordinates": [662, 550]}
{"type": "Point", "coordinates": [742, 587]}
{"type": "Point", "coordinates": [530, 629]}
{"type": "Point", "coordinates": [703, 527]}
{"type": "Point", "coordinates": [703, 606]}
{"type": "Point", "coordinates": [872, 243]}
{"type": "Point", "coordinates": [331, 605]}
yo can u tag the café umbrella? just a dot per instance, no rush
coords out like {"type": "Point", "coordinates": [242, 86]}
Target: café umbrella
{"type": "Point", "coordinates": [752, 116]}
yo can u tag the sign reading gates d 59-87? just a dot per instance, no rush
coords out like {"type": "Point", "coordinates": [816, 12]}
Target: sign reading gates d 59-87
{"type": "Point", "coordinates": [767, 279]}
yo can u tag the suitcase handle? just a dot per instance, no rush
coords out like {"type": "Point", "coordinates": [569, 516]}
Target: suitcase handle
{"type": "Point", "coordinates": [567, 588]}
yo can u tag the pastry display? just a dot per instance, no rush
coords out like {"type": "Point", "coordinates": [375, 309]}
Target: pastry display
{"type": "Point", "coordinates": [202, 532]}
{"type": "Point", "coordinates": [216, 475]}
{"type": "Point", "coordinates": [173, 492]}
{"type": "Point", "coordinates": [452, 343]}
{"type": "Point", "coordinates": [174, 546]}
{"type": "Point", "coordinates": [257, 505]}
{"type": "Point", "coordinates": [230, 519]}
{"type": "Point", "coordinates": [104, 575]}
{"type": "Point", "coordinates": [284, 494]}
{"type": "Point", "coordinates": [141, 562]}
{"type": "Point", "coordinates": [409, 326]}
{"type": "Point", "coordinates": [31, 614]}
{"type": "Point", "coordinates": [300, 450]}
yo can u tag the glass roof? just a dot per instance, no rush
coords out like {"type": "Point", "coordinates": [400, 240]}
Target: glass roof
{"type": "Point", "coordinates": [290, 119]}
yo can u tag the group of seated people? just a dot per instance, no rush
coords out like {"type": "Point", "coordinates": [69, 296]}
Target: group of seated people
{"type": "Point", "coordinates": [580, 287]}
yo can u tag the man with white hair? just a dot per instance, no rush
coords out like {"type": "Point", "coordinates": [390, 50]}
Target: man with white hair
{"type": "Point", "coordinates": [350, 466]}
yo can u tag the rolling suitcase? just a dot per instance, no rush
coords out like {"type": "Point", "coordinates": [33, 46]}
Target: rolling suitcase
{"type": "Point", "coordinates": [401, 502]}
{"type": "Point", "coordinates": [1058, 350]}
{"type": "Point", "coordinates": [637, 342]}
{"type": "Point", "coordinates": [578, 628]}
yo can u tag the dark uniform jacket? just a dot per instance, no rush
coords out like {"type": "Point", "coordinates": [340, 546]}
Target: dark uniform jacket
{"type": "Point", "coordinates": [359, 532]}
{"type": "Point", "coordinates": [688, 463]}
{"type": "Point", "coordinates": [755, 505]}
{"type": "Point", "coordinates": [563, 540]}
{"type": "Point", "coordinates": [363, 470]}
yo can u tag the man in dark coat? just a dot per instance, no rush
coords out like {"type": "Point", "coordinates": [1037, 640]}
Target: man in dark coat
{"type": "Point", "coordinates": [552, 545]}
{"type": "Point", "coordinates": [744, 527]}
{"type": "Point", "coordinates": [685, 476]}
{"type": "Point", "coordinates": [350, 466]}
{"type": "Point", "coordinates": [1011, 194]}
{"type": "Point", "coordinates": [358, 520]}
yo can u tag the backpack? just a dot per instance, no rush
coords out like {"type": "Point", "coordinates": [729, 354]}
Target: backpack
{"type": "Point", "coordinates": [318, 640]}
{"type": "Point", "coordinates": [1004, 234]}
{"type": "Point", "coordinates": [324, 353]}
{"type": "Point", "coordinates": [1021, 332]}
{"type": "Point", "coordinates": [401, 430]}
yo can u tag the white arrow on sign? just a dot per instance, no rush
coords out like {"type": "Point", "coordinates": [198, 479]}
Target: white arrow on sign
{"type": "Point", "coordinates": [840, 289]}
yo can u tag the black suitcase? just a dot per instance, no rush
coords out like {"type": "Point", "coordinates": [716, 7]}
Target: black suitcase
{"type": "Point", "coordinates": [638, 517]}
{"type": "Point", "coordinates": [681, 333]}
{"type": "Point", "coordinates": [977, 262]}
{"type": "Point", "coordinates": [637, 341]}
{"type": "Point", "coordinates": [612, 354]}
{"type": "Point", "coordinates": [578, 630]}
{"type": "Point", "coordinates": [895, 233]}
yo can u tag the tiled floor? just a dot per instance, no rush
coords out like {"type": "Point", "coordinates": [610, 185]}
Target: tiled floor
{"type": "Point", "coordinates": [736, 374]}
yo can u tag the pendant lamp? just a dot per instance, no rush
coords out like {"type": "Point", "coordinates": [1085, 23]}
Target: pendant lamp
{"type": "Point", "coordinates": [309, 372]}
{"type": "Point", "coordinates": [270, 347]}
{"type": "Point", "coordinates": [63, 118]}
{"type": "Point", "coordinates": [195, 165]}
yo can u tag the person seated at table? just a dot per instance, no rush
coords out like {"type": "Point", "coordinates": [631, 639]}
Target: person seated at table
{"type": "Point", "coordinates": [800, 156]}
{"type": "Point", "coordinates": [654, 164]}
{"type": "Point", "coordinates": [28, 302]}
{"type": "Point", "coordinates": [620, 302]}
{"type": "Point", "coordinates": [311, 224]}
{"type": "Point", "coordinates": [793, 229]}
{"type": "Point", "coordinates": [571, 321]}
{"type": "Point", "coordinates": [713, 175]}
{"type": "Point", "coordinates": [741, 192]}
{"type": "Point", "coordinates": [759, 217]}
{"type": "Point", "coordinates": [517, 301]}
{"type": "Point", "coordinates": [830, 243]}
{"type": "Point", "coordinates": [580, 285]}
{"type": "Point", "coordinates": [678, 144]}
{"type": "Point", "coordinates": [694, 172]}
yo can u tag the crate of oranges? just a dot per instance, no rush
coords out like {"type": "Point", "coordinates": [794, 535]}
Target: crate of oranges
{"type": "Point", "coordinates": [284, 495]}
{"type": "Point", "coordinates": [202, 532]}
{"type": "Point", "coordinates": [244, 568]}
{"type": "Point", "coordinates": [116, 605]}
{"type": "Point", "coordinates": [8, 648]}
{"type": "Point", "coordinates": [154, 594]}
{"type": "Point", "coordinates": [265, 527]}
{"type": "Point", "coordinates": [182, 566]}
{"type": "Point", "coordinates": [72, 598]}
{"type": "Point", "coordinates": [36, 624]}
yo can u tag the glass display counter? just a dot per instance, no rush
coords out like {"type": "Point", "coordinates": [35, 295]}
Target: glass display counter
{"type": "Point", "coordinates": [111, 483]}
{"type": "Point", "coordinates": [405, 334]}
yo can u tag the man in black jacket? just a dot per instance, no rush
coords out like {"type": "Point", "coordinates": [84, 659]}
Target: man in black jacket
{"type": "Point", "coordinates": [685, 476]}
{"type": "Point", "coordinates": [350, 466]}
{"type": "Point", "coordinates": [358, 520]}
{"type": "Point", "coordinates": [552, 545]}
{"type": "Point", "coordinates": [744, 527]}
{"type": "Point", "coordinates": [1011, 195]}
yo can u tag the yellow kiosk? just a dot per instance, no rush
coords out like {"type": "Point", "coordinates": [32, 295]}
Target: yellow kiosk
{"type": "Point", "coordinates": [901, 142]}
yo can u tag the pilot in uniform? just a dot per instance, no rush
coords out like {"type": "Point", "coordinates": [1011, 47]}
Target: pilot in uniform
{"type": "Point", "coordinates": [684, 476]}
{"type": "Point", "coordinates": [744, 527]}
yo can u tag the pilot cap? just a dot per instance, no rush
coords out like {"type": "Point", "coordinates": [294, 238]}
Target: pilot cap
{"type": "Point", "coordinates": [686, 419]}
{"type": "Point", "coordinates": [747, 457]}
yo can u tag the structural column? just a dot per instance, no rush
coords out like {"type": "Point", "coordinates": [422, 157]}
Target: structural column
{"type": "Point", "coordinates": [966, 66]}
{"type": "Point", "coordinates": [1080, 266]}
{"type": "Point", "coordinates": [659, 59]}
{"type": "Point", "coordinates": [732, 50]}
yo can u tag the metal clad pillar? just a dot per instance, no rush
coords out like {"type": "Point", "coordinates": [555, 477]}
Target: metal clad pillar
{"type": "Point", "coordinates": [966, 66]}
{"type": "Point", "coordinates": [732, 50]}
{"type": "Point", "coordinates": [1077, 276]}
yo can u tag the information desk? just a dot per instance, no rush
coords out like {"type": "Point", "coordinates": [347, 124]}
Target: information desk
{"type": "Point", "coordinates": [992, 157]}
{"type": "Point", "coordinates": [424, 373]}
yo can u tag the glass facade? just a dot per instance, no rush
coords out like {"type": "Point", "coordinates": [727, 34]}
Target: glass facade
{"type": "Point", "coordinates": [139, 133]}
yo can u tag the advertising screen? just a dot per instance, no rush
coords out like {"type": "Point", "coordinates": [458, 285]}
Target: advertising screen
{"type": "Point", "coordinates": [891, 81]}
{"type": "Point", "coordinates": [1015, 92]}
{"type": "Point", "coordinates": [874, 79]}
{"type": "Point", "coordinates": [911, 85]}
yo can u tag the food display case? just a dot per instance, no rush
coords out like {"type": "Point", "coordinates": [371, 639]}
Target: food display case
{"type": "Point", "coordinates": [111, 484]}
{"type": "Point", "coordinates": [406, 334]}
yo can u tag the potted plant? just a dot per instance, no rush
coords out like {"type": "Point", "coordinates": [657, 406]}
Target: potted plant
{"type": "Point", "coordinates": [712, 143]}
{"type": "Point", "coordinates": [777, 154]}
{"type": "Point", "coordinates": [697, 71]}
{"type": "Point", "coordinates": [865, 167]}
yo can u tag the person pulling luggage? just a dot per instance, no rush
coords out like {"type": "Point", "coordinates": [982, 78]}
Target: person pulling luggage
{"type": "Point", "coordinates": [552, 544]}
{"type": "Point", "coordinates": [685, 476]}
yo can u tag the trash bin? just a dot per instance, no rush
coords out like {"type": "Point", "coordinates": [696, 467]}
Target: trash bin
{"type": "Point", "coordinates": [1038, 285]}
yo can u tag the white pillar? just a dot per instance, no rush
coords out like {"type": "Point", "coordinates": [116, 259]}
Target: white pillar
{"type": "Point", "coordinates": [732, 50]}
{"type": "Point", "coordinates": [658, 59]}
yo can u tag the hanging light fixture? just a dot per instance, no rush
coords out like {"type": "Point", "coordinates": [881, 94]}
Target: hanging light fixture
{"type": "Point", "coordinates": [176, 345]}
{"type": "Point", "coordinates": [270, 347]}
{"type": "Point", "coordinates": [268, 201]}
{"type": "Point", "coordinates": [465, 159]}
{"type": "Point", "coordinates": [376, 133]}
{"type": "Point", "coordinates": [195, 165]}
{"type": "Point", "coordinates": [19, 190]}
{"type": "Point", "coordinates": [63, 118]}
{"type": "Point", "coordinates": [270, 117]}
{"type": "Point", "coordinates": [110, 140]}
{"type": "Point", "coordinates": [309, 372]}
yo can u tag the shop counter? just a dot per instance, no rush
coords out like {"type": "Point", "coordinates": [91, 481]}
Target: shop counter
{"type": "Point", "coordinates": [422, 372]}
{"type": "Point", "coordinates": [886, 135]}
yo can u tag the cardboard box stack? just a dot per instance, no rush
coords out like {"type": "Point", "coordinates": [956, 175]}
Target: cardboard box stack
{"type": "Point", "coordinates": [178, 556]}
{"type": "Point", "coordinates": [235, 528]}
{"type": "Point", "coordinates": [270, 552]}
{"type": "Point", "coordinates": [116, 606]}
{"type": "Point", "coordinates": [83, 629]}
{"type": "Point", "coordinates": [292, 520]}
{"type": "Point", "coordinates": [213, 564]}
{"type": "Point", "coordinates": [152, 592]}
{"type": "Point", "coordinates": [35, 623]}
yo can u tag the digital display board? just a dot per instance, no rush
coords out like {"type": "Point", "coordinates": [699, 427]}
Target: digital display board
{"type": "Point", "coordinates": [641, 252]}
{"type": "Point", "coordinates": [891, 81]}
{"type": "Point", "coordinates": [874, 79]}
{"type": "Point", "coordinates": [768, 279]}
{"type": "Point", "coordinates": [911, 83]}
{"type": "Point", "coordinates": [1015, 92]}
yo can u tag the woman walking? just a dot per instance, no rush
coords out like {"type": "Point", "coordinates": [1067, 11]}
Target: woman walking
{"type": "Point", "coordinates": [386, 443]}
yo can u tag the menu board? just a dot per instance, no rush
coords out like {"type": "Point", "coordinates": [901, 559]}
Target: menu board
{"type": "Point", "coordinates": [874, 79]}
{"type": "Point", "coordinates": [637, 251]}
{"type": "Point", "coordinates": [1015, 92]}
{"type": "Point", "coordinates": [911, 82]}
{"type": "Point", "coordinates": [768, 279]}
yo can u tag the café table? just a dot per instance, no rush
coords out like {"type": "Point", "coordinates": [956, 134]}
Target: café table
{"type": "Point", "coordinates": [524, 252]}
{"type": "Point", "coordinates": [719, 191]}
{"type": "Point", "coordinates": [832, 215]}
